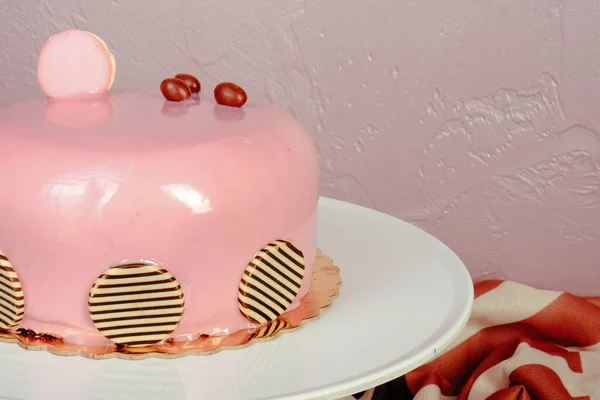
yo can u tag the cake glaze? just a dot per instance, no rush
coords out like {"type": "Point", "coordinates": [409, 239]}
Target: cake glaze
{"type": "Point", "coordinates": [197, 187]}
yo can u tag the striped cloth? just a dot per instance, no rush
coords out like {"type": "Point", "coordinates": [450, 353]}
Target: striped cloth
{"type": "Point", "coordinates": [520, 343]}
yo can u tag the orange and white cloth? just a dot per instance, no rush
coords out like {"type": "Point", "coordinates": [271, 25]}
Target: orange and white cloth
{"type": "Point", "coordinates": [520, 343]}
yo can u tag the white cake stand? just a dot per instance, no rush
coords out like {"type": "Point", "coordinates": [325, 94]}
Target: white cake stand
{"type": "Point", "coordinates": [404, 297]}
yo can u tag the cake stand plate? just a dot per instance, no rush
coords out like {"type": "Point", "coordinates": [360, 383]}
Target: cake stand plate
{"type": "Point", "coordinates": [404, 297]}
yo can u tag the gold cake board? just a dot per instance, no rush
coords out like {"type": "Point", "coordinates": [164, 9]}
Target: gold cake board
{"type": "Point", "coordinates": [325, 286]}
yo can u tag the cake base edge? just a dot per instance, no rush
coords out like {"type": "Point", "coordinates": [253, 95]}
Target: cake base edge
{"type": "Point", "coordinates": [324, 288]}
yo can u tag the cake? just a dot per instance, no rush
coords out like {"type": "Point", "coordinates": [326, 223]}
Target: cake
{"type": "Point", "coordinates": [134, 218]}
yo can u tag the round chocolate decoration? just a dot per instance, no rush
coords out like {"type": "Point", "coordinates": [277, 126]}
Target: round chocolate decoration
{"type": "Point", "coordinates": [271, 329]}
{"type": "Point", "coordinates": [12, 300]}
{"type": "Point", "coordinates": [271, 282]}
{"type": "Point", "coordinates": [136, 304]}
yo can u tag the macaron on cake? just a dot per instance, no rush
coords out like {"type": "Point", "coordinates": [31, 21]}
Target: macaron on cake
{"type": "Point", "coordinates": [75, 63]}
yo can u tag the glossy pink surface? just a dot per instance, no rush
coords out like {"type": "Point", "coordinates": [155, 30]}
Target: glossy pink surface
{"type": "Point", "coordinates": [195, 186]}
{"type": "Point", "coordinates": [74, 63]}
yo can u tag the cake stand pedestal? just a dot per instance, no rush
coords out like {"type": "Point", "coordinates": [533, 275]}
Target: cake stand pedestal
{"type": "Point", "coordinates": [404, 297]}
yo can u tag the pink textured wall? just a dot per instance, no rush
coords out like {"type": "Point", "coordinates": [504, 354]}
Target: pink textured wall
{"type": "Point", "coordinates": [476, 120]}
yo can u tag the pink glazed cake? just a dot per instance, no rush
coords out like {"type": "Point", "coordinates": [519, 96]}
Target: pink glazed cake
{"type": "Point", "coordinates": [128, 220]}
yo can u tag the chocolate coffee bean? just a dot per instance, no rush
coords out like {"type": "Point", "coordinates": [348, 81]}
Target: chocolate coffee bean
{"type": "Point", "coordinates": [191, 81]}
{"type": "Point", "coordinates": [230, 94]}
{"type": "Point", "coordinates": [175, 89]}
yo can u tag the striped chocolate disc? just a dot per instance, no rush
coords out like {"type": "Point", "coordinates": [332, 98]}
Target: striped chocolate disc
{"type": "Point", "coordinates": [136, 304]}
{"type": "Point", "coordinates": [271, 282]}
{"type": "Point", "coordinates": [271, 329]}
{"type": "Point", "coordinates": [12, 300]}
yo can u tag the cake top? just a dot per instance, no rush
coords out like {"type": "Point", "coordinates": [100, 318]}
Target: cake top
{"type": "Point", "coordinates": [137, 120]}
{"type": "Point", "coordinates": [76, 71]}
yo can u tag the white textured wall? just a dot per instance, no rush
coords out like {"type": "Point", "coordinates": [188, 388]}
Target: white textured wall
{"type": "Point", "coordinates": [476, 120]}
